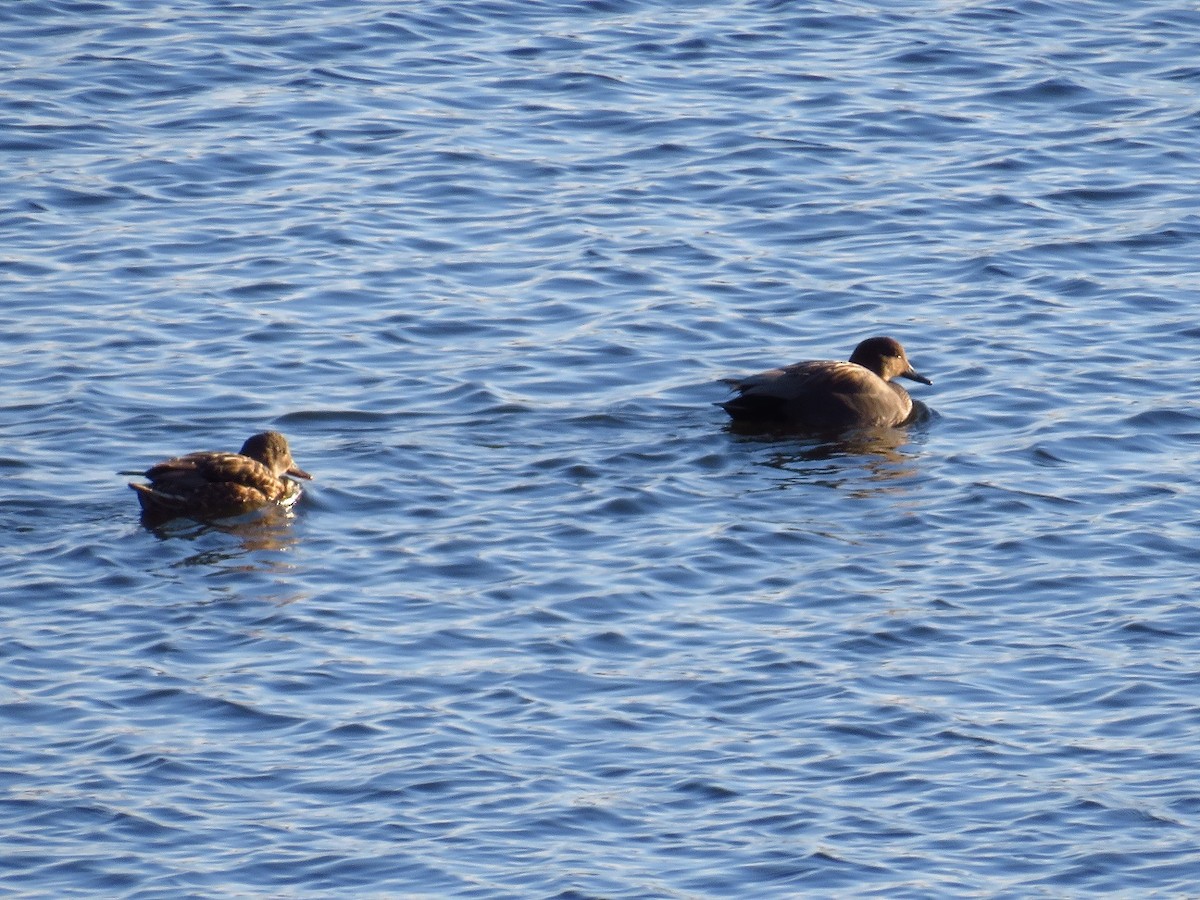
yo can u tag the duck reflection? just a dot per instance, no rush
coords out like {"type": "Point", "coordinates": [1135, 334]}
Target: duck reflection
{"type": "Point", "coordinates": [831, 457]}
{"type": "Point", "coordinates": [268, 529]}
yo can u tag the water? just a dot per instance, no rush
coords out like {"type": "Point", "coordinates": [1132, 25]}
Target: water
{"type": "Point", "coordinates": [544, 626]}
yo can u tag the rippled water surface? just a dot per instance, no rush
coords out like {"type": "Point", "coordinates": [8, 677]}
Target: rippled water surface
{"type": "Point", "coordinates": [544, 626]}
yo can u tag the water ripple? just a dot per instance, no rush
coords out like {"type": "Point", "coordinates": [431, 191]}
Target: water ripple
{"type": "Point", "coordinates": [544, 624]}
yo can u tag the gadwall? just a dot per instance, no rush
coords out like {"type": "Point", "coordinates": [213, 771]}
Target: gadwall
{"type": "Point", "coordinates": [216, 485]}
{"type": "Point", "coordinates": [827, 395]}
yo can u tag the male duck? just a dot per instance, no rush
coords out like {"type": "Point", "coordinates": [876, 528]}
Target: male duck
{"type": "Point", "coordinates": [215, 485]}
{"type": "Point", "coordinates": [827, 395]}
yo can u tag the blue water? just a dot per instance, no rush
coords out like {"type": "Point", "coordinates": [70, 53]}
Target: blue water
{"type": "Point", "coordinates": [544, 626]}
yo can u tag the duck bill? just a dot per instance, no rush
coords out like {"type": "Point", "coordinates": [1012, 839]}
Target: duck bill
{"type": "Point", "coordinates": [914, 376]}
{"type": "Point", "coordinates": [296, 472]}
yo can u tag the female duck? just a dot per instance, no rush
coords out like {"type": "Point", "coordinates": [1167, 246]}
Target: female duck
{"type": "Point", "coordinates": [215, 485]}
{"type": "Point", "coordinates": [828, 395]}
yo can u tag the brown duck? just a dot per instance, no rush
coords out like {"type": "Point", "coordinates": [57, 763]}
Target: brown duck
{"type": "Point", "coordinates": [216, 485]}
{"type": "Point", "coordinates": [828, 395]}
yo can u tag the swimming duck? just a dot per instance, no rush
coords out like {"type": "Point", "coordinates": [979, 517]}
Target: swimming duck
{"type": "Point", "coordinates": [828, 395]}
{"type": "Point", "coordinates": [216, 485]}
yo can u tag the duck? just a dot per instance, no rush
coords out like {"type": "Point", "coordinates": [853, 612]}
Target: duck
{"type": "Point", "coordinates": [830, 395]}
{"type": "Point", "coordinates": [212, 484]}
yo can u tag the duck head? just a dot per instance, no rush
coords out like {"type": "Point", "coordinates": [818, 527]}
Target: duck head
{"type": "Point", "coordinates": [886, 358]}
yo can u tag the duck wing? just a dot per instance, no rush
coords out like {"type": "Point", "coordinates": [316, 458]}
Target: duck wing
{"type": "Point", "coordinates": [799, 379]}
{"type": "Point", "coordinates": [819, 395]}
{"type": "Point", "coordinates": [774, 391]}
{"type": "Point", "coordinates": [196, 471]}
